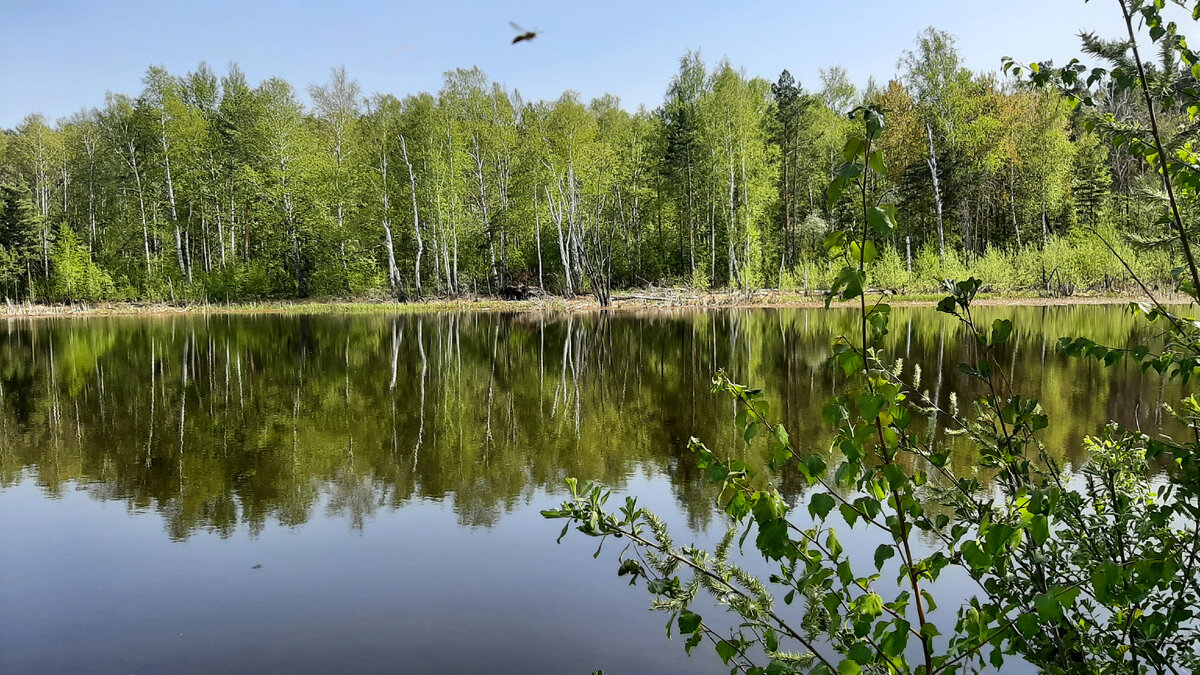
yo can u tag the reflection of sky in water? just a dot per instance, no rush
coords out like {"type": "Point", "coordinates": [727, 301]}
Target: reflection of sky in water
{"type": "Point", "coordinates": [387, 474]}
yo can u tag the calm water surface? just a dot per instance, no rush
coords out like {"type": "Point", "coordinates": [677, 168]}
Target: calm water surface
{"type": "Point", "coordinates": [361, 494]}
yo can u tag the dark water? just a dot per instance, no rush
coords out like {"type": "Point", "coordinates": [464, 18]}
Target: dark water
{"type": "Point", "coordinates": [361, 494]}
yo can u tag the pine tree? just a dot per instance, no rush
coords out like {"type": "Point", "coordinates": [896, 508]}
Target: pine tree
{"type": "Point", "coordinates": [20, 229]}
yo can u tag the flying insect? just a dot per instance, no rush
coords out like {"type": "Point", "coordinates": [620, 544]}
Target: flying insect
{"type": "Point", "coordinates": [522, 34]}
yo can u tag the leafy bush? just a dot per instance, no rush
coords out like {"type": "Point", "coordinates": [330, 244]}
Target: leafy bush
{"type": "Point", "coordinates": [807, 274]}
{"type": "Point", "coordinates": [74, 275]}
{"type": "Point", "coordinates": [812, 230]}
{"type": "Point", "coordinates": [998, 267]}
{"type": "Point", "coordinates": [1098, 576]}
{"type": "Point", "coordinates": [1027, 268]}
{"type": "Point", "coordinates": [700, 280]}
{"type": "Point", "coordinates": [930, 271]}
{"type": "Point", "coordinates": [890, 270]}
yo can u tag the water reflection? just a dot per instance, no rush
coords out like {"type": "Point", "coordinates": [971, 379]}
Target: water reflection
{"type": "Point", "coordinates": [223, 422]}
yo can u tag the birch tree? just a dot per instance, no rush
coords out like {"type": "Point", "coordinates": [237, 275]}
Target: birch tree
{"type": "Point", "coordinates": [337, 107]}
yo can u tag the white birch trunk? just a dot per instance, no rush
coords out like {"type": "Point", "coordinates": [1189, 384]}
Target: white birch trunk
{"type": "Point", "coordinates": [416, 220]}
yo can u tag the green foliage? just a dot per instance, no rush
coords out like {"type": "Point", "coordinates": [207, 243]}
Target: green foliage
{"type": "Point", "coordinates": [74, 275]}
{"type": "Point", "coordinates": [1000, 269]}
{"type": "Point", "coordinates": [890, 271]}
{"type": "Point", "coordinates": [19, 231]}
{"type": "Point", "coordinates": [931, 272]}
{"type": "Point", "coordinates": [1095, 577]}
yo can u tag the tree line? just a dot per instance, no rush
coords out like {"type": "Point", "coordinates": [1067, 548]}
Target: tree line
{"type": "Point", "coordinates": [203, 187]}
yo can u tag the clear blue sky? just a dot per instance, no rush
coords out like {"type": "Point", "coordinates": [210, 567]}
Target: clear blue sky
{"type": "Point", "coordinates": [58, 57]}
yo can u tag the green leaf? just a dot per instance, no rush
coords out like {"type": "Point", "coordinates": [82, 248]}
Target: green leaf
{"type": "Point", "coordinates": [882, 219]}
{"type": "Point", "coordinates": [771, 640]}
{"type": "Point", "coordinates": [873, 119]}
{"type": "Point", "coordinates": [850, 170]}
{"type": "Point", "coordinates": [850, 361]}
{"type": "Point", "coordinates": [875, 161]}
{"type": "Point", "coordinates": [848, 284]}
{"type": "Point", "coordinates": [1039, 529]}
{"type": "Point", "coordinates": [849, 514]}
{"type": "Point", "coordinates": [893, 643]}
{"type": "Point", "coordinates": [895, 476]}
{"type": "Point", "coordinates": [870, 405]}
{"type": "Point", "coordinates": [849, 667]}
{"type": "Point", "coordinates": [853, 148]}
{"type": "Point", "coordinates": [834, 242]}
{"type": "Point", "coordinates": [883, 553]}
{"type": "Point", "coordinates": [688, 622]}
{"type": "Point", "coordinates": [781, 435]}
{"type": "Point", "coordinates": [726, 650]}
{"type": "Point", "coordinates": [632, 567]}
{"type": "Point", "coordinates": [997, 537]}
{"type": "Point", "coordinates": [861, 653]}
{"type": "Point", "coordinates": [751, 431]}
{"type": "Point", "coordinates": [1001, 330]}
{"type": "Point", "coordinates": [780, 455]}
{"type": "Point", "coordinates": [820, 505]}
{"type": "Point", "coordinates": [1048, 607]}
{"type": "Point", "coordinates": [845, 175]}
{"type": "Point", "coordinates": [865, 254]}
{"type": "Point", "coordinates": [870, 605]}
{"type": "Point", "coordinates": [1066, 596]}
{"type": "Point", "coordinates": [717, 473]}
{"type": "Point", "coordinates": [814, 464]}
{"type": "Point", "coordinates": [1104, 577]}
{"type": "Point", "coordinates": [666, 587]}
{"type": "Point", "coordinates": [1027, 624]}
{"type": "Point", "coordinates": [975, 556]}
{"type": "Point", "coordinates": [772, 540]}
{"type": "Point", "coordinates": [832, 543]}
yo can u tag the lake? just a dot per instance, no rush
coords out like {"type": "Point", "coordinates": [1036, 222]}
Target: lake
{"type": "Point", "coordinates": [291, 493]}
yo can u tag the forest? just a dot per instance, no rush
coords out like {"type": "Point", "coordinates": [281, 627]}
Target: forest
{"type": "Point", "coordinates": [203, 187]}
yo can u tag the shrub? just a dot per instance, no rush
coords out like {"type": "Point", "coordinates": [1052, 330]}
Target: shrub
{"type": "Point", "coordinates": [806, 274]}
{"type": "Point", "coordinates": [1027, 268]}
{"type": "Point", "coordinates": [700, 280]}
{"type": "Point", "coordinates": [930, 272]}
{"type": "Point", "coordinates": [890, 270]}
{"type": "Point", "coordinates": [998, 267]}
{"type": "Point", "coordinates": [74, 275]}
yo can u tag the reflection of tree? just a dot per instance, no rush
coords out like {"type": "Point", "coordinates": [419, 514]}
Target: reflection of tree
{"type": "Point", "coordinates": [218, 422]}
{"type": "Point", "coordinates": [355, 496]}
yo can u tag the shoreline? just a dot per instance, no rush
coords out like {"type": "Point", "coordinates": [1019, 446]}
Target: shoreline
{"type": "Point", "coordinates": [621, 303]}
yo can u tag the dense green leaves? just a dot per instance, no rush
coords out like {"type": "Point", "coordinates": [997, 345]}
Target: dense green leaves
{"type": "Point", "coordinates": [1032, 543]}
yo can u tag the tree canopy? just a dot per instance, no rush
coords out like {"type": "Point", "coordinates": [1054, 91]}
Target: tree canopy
{"type": "Point", "coordinates": [206, 187]}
